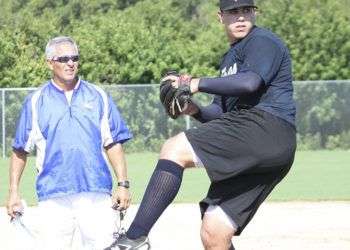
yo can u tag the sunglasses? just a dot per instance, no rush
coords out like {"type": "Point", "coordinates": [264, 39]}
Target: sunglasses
{"type": "Point", "coordinates": [65, 59]}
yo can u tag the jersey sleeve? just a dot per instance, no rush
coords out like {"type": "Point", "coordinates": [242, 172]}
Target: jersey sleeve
{"type": "Point", "coordinates": [210, 112]}
{"type": "Point", "coordinates": [263, 56]}
{"type": "Point", "coordinates": [22, 141]}
{"type": "Point", "coordinates": [118, 130]}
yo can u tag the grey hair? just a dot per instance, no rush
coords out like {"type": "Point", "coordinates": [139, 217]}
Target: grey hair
{"type": "Point", "coordinates": [50, 49]}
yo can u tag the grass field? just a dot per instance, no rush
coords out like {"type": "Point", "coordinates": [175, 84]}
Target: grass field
{"type": "Point", "coordinates": [315, 175]}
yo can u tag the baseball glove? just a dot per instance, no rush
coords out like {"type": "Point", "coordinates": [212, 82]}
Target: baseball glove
{"type": "Point", "coordinates": [175, 100]}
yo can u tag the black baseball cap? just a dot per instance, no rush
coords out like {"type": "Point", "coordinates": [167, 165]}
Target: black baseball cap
{"type": "Point", "coordinates": [234, 4]}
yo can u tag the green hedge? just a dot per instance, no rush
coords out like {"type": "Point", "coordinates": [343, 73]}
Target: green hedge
{"type": "Point", "coordinates": [128, 42]}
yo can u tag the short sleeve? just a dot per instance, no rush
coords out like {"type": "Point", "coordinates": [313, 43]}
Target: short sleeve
{"type": "Point", "coordinates": [22, 140]}
{"type": "Point", "coordinates": [263, 56]}
{"type": "Point", "coordinates": [118, 130]}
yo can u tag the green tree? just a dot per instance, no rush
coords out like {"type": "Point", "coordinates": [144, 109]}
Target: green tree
{"type": "Point", "coordinates": [316, 33]}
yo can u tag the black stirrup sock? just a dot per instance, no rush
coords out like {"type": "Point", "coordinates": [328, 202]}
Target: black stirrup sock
{"type": "Point", "coordinates": [160, 192]}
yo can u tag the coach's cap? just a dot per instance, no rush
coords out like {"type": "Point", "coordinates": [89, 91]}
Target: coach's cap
{"type": "Point", "coordinates": [234, 4]}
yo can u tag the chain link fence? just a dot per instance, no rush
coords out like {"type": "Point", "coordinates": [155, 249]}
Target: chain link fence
{"type": "Point", "coordinates": [323, 115]}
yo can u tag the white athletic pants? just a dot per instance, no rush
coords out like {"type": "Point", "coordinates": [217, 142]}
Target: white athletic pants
{"type": "Point", "coordinates": [87, 215]}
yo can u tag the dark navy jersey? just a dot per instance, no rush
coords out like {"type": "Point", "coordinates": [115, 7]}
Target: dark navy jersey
{"type": "Point", "coordinates": [263, 53]}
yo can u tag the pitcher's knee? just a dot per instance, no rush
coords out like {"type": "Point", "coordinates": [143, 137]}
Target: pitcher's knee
{"type": "Point", "coordinates": [176, 149]}
{"type": "Point", "coordinates": [206, 238]}
{"type": "Point", "coordinates": [170, 150]}
{"type": "Point", "coordinates": [215, 239]}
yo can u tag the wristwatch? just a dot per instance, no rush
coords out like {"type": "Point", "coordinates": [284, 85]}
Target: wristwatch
{"type": "Point", "coordinates": [125, 184]}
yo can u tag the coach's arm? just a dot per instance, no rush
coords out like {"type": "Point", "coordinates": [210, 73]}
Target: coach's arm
{"type": "Point", "coordinates": [116, 157]}
{"type": "Point", "coordinates": [17, 163]}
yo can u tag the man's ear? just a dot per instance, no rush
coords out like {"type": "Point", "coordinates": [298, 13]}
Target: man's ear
{"type": "Point", "coordinates": [219, 15]}
{"type": "Point", "coordinates": [49, 64]}
{"type": "Point", "coordinates": [255, 15]}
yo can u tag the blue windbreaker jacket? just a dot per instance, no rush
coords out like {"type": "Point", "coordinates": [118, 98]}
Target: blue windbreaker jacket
{"type": "Point", "coordinates": [70, 138]}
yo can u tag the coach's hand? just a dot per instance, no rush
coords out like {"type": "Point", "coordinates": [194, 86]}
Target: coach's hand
{"type": "Point", "coordinates": [121, 198]}
{"type": "Point", "coordinates": [13, 204]}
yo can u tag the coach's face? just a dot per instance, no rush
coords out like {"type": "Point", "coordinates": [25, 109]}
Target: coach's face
{"type": "Point", "coordinates": [238, 22]}
{"type": "Point", "coordinates": [64, 65]}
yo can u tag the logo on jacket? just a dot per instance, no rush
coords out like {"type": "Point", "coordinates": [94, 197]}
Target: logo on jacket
{"type": "Point", "coordinates": [232, 70]}
{"type": "Point", "coordinates": [88, 105]}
